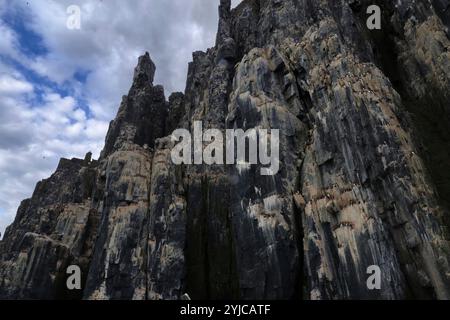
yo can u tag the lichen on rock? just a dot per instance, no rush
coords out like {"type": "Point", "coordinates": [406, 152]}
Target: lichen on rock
{"type": "Point", "coordinates": [364, 169]}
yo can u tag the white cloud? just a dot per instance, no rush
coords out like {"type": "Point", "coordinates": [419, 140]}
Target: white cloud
{"type": "Point", "coordinates": [10, 85]}
{"type": "Point", "coordinates": [34, 136]}
{"type": "Point", "coordinates": [7, 40]}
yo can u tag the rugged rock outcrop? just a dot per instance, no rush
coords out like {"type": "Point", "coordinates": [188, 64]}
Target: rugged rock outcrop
{"type": "Point", "coordinates": [364, 173]}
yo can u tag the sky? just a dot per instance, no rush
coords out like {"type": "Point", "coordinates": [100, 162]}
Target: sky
{"type": "Point", "coordinates": [60, 86]}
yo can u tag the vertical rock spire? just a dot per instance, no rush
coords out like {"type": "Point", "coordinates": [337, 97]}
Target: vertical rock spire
{"type": "Point", "coordinates": [226, 46]}
{"type": "Point", "coordinates": [142, 113]}
{"type": "Point", "coordinates": [144, 71]}
{"type": "Point", "coordinates": [224, 21]}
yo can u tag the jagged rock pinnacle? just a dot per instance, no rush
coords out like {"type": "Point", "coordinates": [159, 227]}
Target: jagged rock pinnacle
{"type": "Point", "coordinates": [224, 7]}
{"type": "Point", "coordinates": [144, 71]}
{"type": "Point", "coordinates": [88, 157]}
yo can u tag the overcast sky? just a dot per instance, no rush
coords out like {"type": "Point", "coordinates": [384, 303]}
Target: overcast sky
{"type": "Point", "coordinates": [59, 88]}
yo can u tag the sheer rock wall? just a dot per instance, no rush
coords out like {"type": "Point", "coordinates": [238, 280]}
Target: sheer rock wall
{"type": "Point", "coordinates": [364, 173]}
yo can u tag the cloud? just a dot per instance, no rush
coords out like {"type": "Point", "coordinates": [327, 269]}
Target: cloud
{"type": "Point", "coordinates": [7, 40]}
{"type": "Point", "coordinates": [10, 85]}
{"type": "Point", "coordinates": [35, 132]}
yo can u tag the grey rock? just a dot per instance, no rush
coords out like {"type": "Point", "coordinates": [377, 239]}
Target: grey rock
{"type": "Point", "coordinates": [364, 172]}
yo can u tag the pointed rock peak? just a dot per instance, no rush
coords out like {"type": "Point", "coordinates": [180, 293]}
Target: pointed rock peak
{"type": "Point", "coordinates": [144, 72]}
{"type": "Point", "coordinates": [224, 7]}
{"type": "Point", "coordinates": [88, 157]}
{"type": "Point", "coordinates": [223, 31]}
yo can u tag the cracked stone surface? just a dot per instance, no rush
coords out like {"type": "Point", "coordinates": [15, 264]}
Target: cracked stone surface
{"type": "Point", "coordinates": [364, 175]}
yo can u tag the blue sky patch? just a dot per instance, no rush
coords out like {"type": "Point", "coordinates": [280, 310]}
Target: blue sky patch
{"type": "Point", "coordinates": [31, 43]}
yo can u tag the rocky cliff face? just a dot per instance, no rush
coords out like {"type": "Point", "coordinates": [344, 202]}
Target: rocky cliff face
{"type": "Point", "coordinates": [364, 173]}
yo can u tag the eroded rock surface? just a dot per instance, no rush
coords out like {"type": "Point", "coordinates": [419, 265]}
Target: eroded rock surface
{"type": "Point", "coordinates": [364, 175]}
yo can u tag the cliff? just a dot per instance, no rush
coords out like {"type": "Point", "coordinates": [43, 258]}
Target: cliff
{"type": "Point", "coordinates": [364, 174]}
